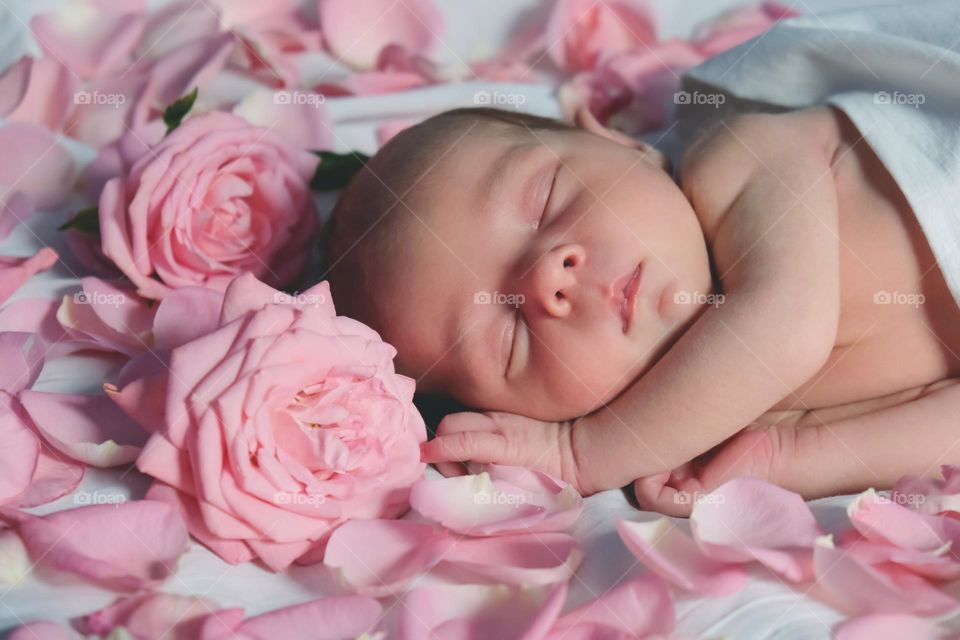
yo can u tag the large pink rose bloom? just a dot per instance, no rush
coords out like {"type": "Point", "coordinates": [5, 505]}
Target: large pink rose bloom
{"type": "Point", "coordinates": [215, 198]}
{"type": "Point", "coordinates": [278, 425]}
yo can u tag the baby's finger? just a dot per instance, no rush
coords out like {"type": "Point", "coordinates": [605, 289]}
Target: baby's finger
{"type": "Point", "coordinates": [465, 421]}
{"type": "Point", "coordinates": [465, 445]}
{"type": "Point", "coordinates": [451, 469]}
{"type": "Point", "coordinates": [653, 495]}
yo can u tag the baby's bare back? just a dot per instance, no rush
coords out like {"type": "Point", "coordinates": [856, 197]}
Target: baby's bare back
{"type": "Point", "coordinates": [898, 335]}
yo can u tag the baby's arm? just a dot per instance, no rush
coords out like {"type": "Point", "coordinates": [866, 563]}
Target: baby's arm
{"type": "Point", "coordinates": [765, 195]}
{"type": "Point", "coordinates": [877, 448]}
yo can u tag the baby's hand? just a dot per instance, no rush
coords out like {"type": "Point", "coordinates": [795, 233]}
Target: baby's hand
{"type": "Point", "coordinates": [504, 438]}
{"type": "Point", "coordinates": [758, 450]}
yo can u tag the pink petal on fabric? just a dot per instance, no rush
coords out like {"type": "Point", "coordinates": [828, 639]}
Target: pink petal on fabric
{"type": "Point", "coordinates": [333, 618]}
{"type": "Point", "coordinates": [929, 495]}
{"type": "Point", "coordinates": [15, 562]}
{"type": "Point", "coordinates": [35, 315]}
{"type": "Point", "coordinates": [108, 317]}
{"type": "Point", "coordinates": [670, 553]}
{"type": "Point", "coordinates": [579, 32]}
{"type": "Point", "coordinates": [15, 271]}
{"type": "Point", "coordinates": [200, 304]}
{"type": "Point", "coordinates": [20, 451]}
{"type": "Point", "coordinates": [125, 546]}
{"type": "Point", "coordinates": [635, 608]}
{"type": "Point", "coordinates": [938, 564]}
{"type": "Point", "coordinates": [43, 630]}
{"type": "Point", "coordinates": [749, 519]}
{"type": "Point", "coordinates": [152, 615]}
{"type": "Point", "coordinates": [143, 399]}
{"type": "Point", "coordinates": [518, 559]}
{"type": "Point", "coordinates": [299, 116]}
{"type": "Point", "coordinates": [35, 163]}
{"type": "Point", "coordinates": [500, 500]}
{"type": "Point", "coordinates": [91, 429]}
{"type": "Point", "coordinates": [859, 588]}
{"type": "Point", "coordinates": [356, 31]}
{"type": "Point", "coordinates": [889, 626]}
{"type": "Point", "coordinates": [881, 520]}
{"type": "Point", "coordinates": [88, 37]}
{"type": "Point", "coordinates": [15, 208]}
{"type": "Point", "coordinates": [40, 92]}
{"type": "Point", "coordinates": [478, 611]}
{"type": "Point", "coordinates": [738, 26]}
{"type": "Point", "coordinates": [379, 557]}
{"type": "Point", "coordinates": [55, 476]}
{"type": "Point", "coordinates": [22, 357]}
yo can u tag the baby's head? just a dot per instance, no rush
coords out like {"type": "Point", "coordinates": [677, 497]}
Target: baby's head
{"type": "Point", "coordinates": [494, 250]}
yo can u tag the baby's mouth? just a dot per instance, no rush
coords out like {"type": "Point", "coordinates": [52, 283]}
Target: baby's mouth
{"type": "Point", "coordinates": [627, 296]}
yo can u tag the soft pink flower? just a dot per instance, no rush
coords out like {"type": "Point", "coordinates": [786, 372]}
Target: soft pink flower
{"type": "Point", "coordinates": [276, 427]}
{"type": "Point", "coordinates": [582, 32]}
{"type": "Point", "coordinates": [215, 198]}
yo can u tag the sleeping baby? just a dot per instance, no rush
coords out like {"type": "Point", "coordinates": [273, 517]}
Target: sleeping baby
{"type": "Point", "coordinates": [772, 307]}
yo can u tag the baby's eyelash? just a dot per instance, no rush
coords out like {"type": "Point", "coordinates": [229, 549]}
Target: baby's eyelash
{"type": "Point", "coordinates": [546, 205]}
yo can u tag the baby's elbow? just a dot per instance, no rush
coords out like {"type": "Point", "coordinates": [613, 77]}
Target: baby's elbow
{"type": "Point", "coordinates": [812, 341]}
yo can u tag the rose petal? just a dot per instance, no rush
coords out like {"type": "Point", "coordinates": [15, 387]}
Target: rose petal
{"type": "Point", "coordinates": [888, 625]}
{"type": "Point", "coordinates": [499, 500]}
{"type": "Point", "coordinates": [90, 38]}
{"type": "Point", "coordinates": [862, 588]}
{"type": "Point", "coordinates": [35, 163]}
{"type": "Point", "coordinates": [22, 357]}
{"type": "Point", "coordinates": [15, 563]}
{"type": "Point", "coordinates": [738, 26]}
{"type": "Point", "coordinates": [40, 92]}
{"type": "Point", "coordinates": [333, 618]}
{"type": "Point", "coordinates": [522, 559]}
{"type": "Point", "coordinates": [151, 615]}
{"type": "Point", "coordinates": [125, 546]}
{"type": "Point", "coordinates": [664, 549]}
{"type": "Point", "coordinates": [358, 30]}
{"type": "Point", "coordinates": [881, 520]}
{"type": "Point", "coordinates": [301, 117]}
{"type": "Point", "coordinates": [55, 476]}
{"type": "Point", "coordinates": [749, 519]}
{"type": "Point", "coordinates": [91, 429]}
{"type": "Point", "coordinates": [478, 611]}
{"type": "Point", "coordinates": [200, 304]}
{"type": "Point", "coordinates": [20, 452]}
{"type": "Point", "coordinates": [635, 608]}
{"type": "Point", "coordinates": [37, 316]}
{"type": "Point", "coordinates": [578, 32]}
{"type": "Point", "coordinates": [44, 630]}
{"type": "Point", "coordinates": [17, 208]}
{"type": "Point", "coordinates": [380, 557]}
{"type": "Point", "coordinates": [14, 271]}
{"type": "Point", "coordinates": [105, 316]}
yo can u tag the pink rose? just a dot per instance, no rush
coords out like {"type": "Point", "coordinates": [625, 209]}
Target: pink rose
{"type": "Point", "coordinates": [279, 425]}
{"type": "Point", "coordinates": [215, 198]}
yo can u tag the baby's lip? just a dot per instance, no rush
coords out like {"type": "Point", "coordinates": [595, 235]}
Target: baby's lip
{"type": "Point", "coordinates": [624, 291]}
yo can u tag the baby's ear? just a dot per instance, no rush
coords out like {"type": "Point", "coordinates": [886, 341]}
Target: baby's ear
{"type": "Point", "coordinates": [586, 120]}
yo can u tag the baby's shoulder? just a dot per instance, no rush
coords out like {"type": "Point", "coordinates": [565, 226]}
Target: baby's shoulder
{"type": "Point", "coordinates": [733, 152]}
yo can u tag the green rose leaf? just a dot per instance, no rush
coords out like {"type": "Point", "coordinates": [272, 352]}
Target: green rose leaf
{"type": "Point", "coordinates": [86, 220]}
{"type": "Point", "coordinates": [175, 112]}
{"type": "Point", "coordinates": [336, 169]}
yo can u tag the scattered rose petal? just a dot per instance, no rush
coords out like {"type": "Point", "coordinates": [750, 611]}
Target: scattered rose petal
{"type": "Point", "coordinates": [333, 618]}
{"type": "Point", "coordinates": [894, 626]}
{"type": "Point", "coordinates": [105, 316]}
{"type": "Point", "coordinates": [35, 163]}
{"type": "Point", "coordinates": [501, 499]}
{"type": "Point", "coordinates": [299, 116]}
{"type": "Point", "coordinates": [636, 608]}
{"type": "Point", "coordinates": [579, 32]}
{"type": "Point", "coordinates": [738, 26]}
{"type": "Point", "coordinates": [20, 453]}
{"type": "Point", "coordinates": [358, 30]}
{"type": "Point", "coordinates": [17, 208]}
{"type": "Point", "coordinates": [38, 91]}
{"type": "Point", "coordinates": [15, 563]}
{"type": "Point", "coordinates": [749, 519]}
{"type": "Point", "coordinates": [151, 615]}
{"type": "Point", "coordinates": [44, 630]}
{"type": "Point", "coordinates": [125, 546]}
{"type": "Point", "coordinates": [670, 553]}
{"type": "Point", "coordinates": [90, 429]}
{"type": "Point", "coordinates": [15, 271]}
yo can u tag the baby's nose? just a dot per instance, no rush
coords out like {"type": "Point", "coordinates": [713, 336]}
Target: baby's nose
{"type": "Point", "coordinates": [554, 277]}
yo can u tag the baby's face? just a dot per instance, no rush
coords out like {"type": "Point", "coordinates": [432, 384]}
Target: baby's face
{"type": "Point", "coordinates": [542, 274]}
